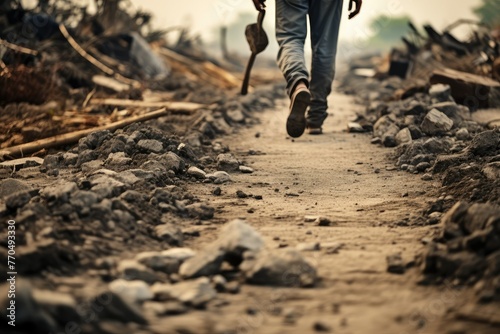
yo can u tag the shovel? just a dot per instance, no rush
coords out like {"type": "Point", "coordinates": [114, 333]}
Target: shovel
{"type": "Point", "coordinates": [257, 39]}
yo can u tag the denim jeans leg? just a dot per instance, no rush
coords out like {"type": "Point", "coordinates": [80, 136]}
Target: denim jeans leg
{"type": "Point", "coordinates": [324, 16]}
{"type": "Point", "coordinates": [291, 32]}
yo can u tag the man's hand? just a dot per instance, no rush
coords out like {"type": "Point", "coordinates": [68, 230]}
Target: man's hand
{"type": "Point", "coordinates": [356, 11]}
{"type": "Point", "coordinates": [259, 4]}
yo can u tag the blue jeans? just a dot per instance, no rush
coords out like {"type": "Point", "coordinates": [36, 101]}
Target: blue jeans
{"type": "Point", "coordinates": [291, 31]}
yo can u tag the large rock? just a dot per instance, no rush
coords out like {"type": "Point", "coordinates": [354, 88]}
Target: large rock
{"type": "Point", "coordinates": [227, 162]}
{"type": "Point", "coordinates": [236, 238]}
{"type": "Point", "coordinates": [204, 263]}
{"type": "Point", "coordinates": [435, 122]}
{"type": "Point", "coordinates": [486, 143]}
{"type": "Point", "coordinates": [282, 267]}
{"type": "Point", "coordinates": [12, 186]}
{"type": "Point", "coordinates": [171, 161]}
{"type": "Point", "coordinates": [457, 113]}
{"type": "Point", "coordinates": [403, 136]}
{"type": "Point", "coordinates": [195, 293]}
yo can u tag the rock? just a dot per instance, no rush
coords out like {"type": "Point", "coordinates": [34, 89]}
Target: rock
{"type": "Point", "coordinates": [485, 144]}
{"type": "Point", "coordinates": [219, 283]}
{"type": "Point", "coordinates": [457, 113]}
{"type": "Point", "coordinates": [127, 177]}
{"type": "Point", "coordinates": [12, 186]}
{"type": "Point", "coordinates": [492, 171]}
{"type": "Point", "coordinates": [246, 170]}
{"type": "Point", "coordinates": [440, 92]}
{"type": "Point", "coordinates": [132, 270]}
{"type": "Point", "coordinates": [118, 159]}
{"type": "Point", "coordinates": [205, 263]}
{"type": "Point", "coordinates": [196, 293]}
{"type": "Point", "coordinates": [423, 166]}
{"type": "Point", "coordinates": [179, 254]}
{"type": "Point", "coordinates": [219, 177]}
{"type": "Point", "coordinates": [91, 166]}
{"type": "Point", "coordinates": [159, 262]}
{"type": "Point", "coordinates": [321, 326]}
{"type": "Point", "coordinates": [136, 291]}
{"type": "Point", "coordinates": [171, 161]}
{"type": "Point", "coordinates": [437, 145]}
{"type": "Point", "coordinates": [17, 200]}
{"type": "Point", "coordinates": [353, 127]}
{"type": "Point", "coordinates": [200, 210]}
{"type": "Point", "coordinates": [415, 108]}
{"type": "Point", "coordinates": [324, 221]}
{"type": "Point", "coordinates": [415, 131]}
{"type": "Point", "coordinates": [227, 162]}
{"type": "Point", "coordinates": [383, 125]}
{"type": "Point", "coordinates": [395, 264]}
{"type": "Point", "coordinates": [168, 308]}
{"type": "Point", "coordinates": [308, 247]}
{"type": "Point", "coordinates": [58, 192]}
{"type": "Point", "coordinates": [235, 115]}
{"type": "Point", "coordinates": [106, 187]}
{"type": "Point", "coordinates": [114, 306]}
{"type": "Point", "coordinates": [389, 137]}
{"type": "Point", "coordinates": [241, 194]}
{"type": "Point", "coordinates": [196, 172]}
{"type": "Point", "coordinates": [462, 134]}
{"type": "Point", "coordinates": [150, 145]}
{"type": "Point", "coordinates": [403, 136]}
{"type": "Point", "coordinates": [70, 159]}
{"type": "Point", "coordinates": [376, 140]}
{"type": "Point", "coordinates": [282, 267]}
{"type": "Point", "coordinates": [236, 238]}
{"type": "Point", "coordinates": [18, 164]}
{"type": "Point", "coordinates": [435, 122]}
{"type": "Point", "coordinates": [60, 306]}
{"type": "Point", "coordinates": [169, 233]}
{"type": "Point", "coordinates": [217, 191]}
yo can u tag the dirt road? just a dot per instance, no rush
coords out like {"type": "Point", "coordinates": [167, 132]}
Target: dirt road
{"type": "Point", "coordinates": [374, 210]}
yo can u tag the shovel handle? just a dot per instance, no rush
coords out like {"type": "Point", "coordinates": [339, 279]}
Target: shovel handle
{"type": "Point", "coordinates": [246, 80]}
{"type": "Point", "coordinates": [260, 19]}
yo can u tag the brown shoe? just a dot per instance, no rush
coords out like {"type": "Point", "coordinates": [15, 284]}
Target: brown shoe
{"type": "Point", "coordinates": [296, 122]}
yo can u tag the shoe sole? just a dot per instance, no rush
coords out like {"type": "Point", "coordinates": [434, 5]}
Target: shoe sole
{"type": "Point", "coordinates": [315, 131]}
{"type": "Point", "coordinates": [296, 122]}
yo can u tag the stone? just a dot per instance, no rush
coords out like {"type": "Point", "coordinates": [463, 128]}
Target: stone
{"type": "Point", "coordinates": [159, 262]}
{"type": "Point", "coordinates": [82, 201]}
{"type": "Point", "coordinates": [118, 159]}
{"type": "Point", "coordinates": [114, 306]}
{"type": "Point", "coordinates": [308, 247]}
{"type": "Point", "coordinates": [236, 238]}
{"type": "Point", "coordinates": [219, 177]}
{"type": "Point", "coordinates": [12, 186]}
{"type": "Point", "coordinates": [106, 186]}
{"type": "Point", "coordinates": [58, 192]}
{"type": "Point", "coordinates": [171, 161]}
{"type": "Point", "coordinates": [169, 233]}
{"type": "Point", "coordinates": [321, 326]}
{"type": "Point", "coordinates": [462, 134]}
{"type": "Point", "coordinates": [389, 137]}
{"type": "Point", "coordinates": [246, 170]}
{"type": "Point", "coordinates": [136, 291]}
{"type": "Point", "coordinates": [219, 283]}
{"type": "Point", "coordinates": [127, 177]}
{"type": "Point", "coordinates": [60, 306]}
{"type": "Point", "coordinates": [196, 172]}
{"type": "Point", "coordinates": [423, 166]}
{"type": "Point", "coordinates": [22, 163]}
{"type": "Point", "coordinates": [150, 145]}
{"type": "Point", "coordinates": [382, 125]}
{"type": "Point", "coordinates": [196, 293]}
{"type": "Point", "coordinates": [17, 200]}
{"type": "Point", "coordinates": [179, 254]}
{"type": "Point", "coordinates": [457, 113]}
{"type": "Point", "coordinates": [440, 92]}
{"type": "Point", "coordinates": [132, 270]}
{"type": "Point", "coordinates": [281, 267]}
{"type": "Point", "coordinates": [227, 162]}
{"type": "Point", "coordinates": [205, 263]}
{"type": "Point", "coordinates": [395, 264]}
{"type": "Point", "coordinates": [415, 108]}
{"type": "Point", "coordinates": [437, 145]}
{"type": "Point", "coordinates": [354, 127]}
{"type": "Point", "coordinates": [200, 210]}
{"type": "Point", "coordinates": [415, 131]}
{"type": "Point", "coordinates": [436, 122]}
{"type": "Point", "coordinates": [376, 140]}
{"type": "Point", "coordinates": [485, 143]}
{"type": "Point", "coordinates": [235, 115]}
{"type": "Point", "coordinates": [492, 171]}
{"type": "Point", "coordinates": [403, 136]}
{"type": "Point", "coordinates": [241, 194]}
{"type": "Point", "coordinates": [91, 166]}
{"type": "Point", "coordinates": [70, 159]}
{"type": "Point", "coordinates": [166, 308]}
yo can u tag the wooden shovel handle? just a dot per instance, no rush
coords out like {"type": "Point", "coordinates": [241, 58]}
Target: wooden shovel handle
{"type": "Point", "coordinates": [246, 80]}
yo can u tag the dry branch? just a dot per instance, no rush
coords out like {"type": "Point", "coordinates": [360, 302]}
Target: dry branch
{"type": "Point", "coordinates": [94, 61]}
{"type": "Point", "coordinates": [18, 48]}
{"type": "Point", "coordinates": [185, 106]}
{"type": "Point", "coordinates": [73, 137]}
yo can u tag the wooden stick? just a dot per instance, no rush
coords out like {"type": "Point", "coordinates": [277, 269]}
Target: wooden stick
{"type": "Point", "coordinates": [73, 137]}
{"type": "Point", "coordinates": [18, 48]}
{"type": "Point", "coordinates": [187, 106]}
{"type": "Point", "coordinates": [93, 60]}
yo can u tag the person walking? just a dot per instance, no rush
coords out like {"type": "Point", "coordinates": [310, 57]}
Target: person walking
{"type": "Point", "coordinates": [308, 90]}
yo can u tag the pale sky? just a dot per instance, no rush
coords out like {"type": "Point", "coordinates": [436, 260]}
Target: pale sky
{"type": "Point", "coordinates": [203, 15]}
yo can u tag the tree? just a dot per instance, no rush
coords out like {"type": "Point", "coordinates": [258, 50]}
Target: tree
{"type": "Point", "coordinates": [489, 12]}
{"type": "Point", "coordinates": [388, 31]}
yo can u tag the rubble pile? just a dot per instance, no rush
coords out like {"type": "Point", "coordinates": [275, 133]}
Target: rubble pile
{"type": "Point", "coordinates": [434, 104]}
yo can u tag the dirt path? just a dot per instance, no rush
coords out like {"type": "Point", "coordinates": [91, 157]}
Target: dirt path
{"type": "Point", "coordinates": [343, 177]}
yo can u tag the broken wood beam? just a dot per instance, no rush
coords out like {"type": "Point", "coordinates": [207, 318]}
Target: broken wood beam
{"type": "Point", "coordinates": [18, 48]}
{"type": "Point", "coordinates": [184, 106]}
{"type": "Point", "coordinates": [471, 90]}
{"type": "Point", "coordinates": [73, 137]}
